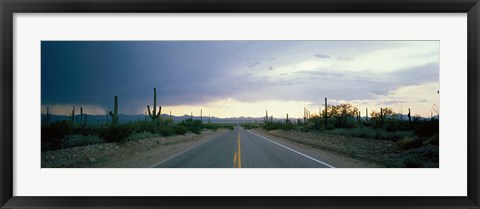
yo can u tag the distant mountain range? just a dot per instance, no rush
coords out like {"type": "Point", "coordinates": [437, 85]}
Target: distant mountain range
{"type": "Point", "coordinates": [99, 119]}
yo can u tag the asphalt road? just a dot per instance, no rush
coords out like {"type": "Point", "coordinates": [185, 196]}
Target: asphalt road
{"type": "Point", "coordinates": [241, 148]}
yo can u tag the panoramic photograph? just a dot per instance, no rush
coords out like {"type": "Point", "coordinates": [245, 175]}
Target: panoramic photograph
{"type": "Point", "coordinates": [240, 104]}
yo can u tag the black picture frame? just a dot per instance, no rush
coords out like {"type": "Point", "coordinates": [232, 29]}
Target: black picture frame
{"type": "Point", "coordinates": [9, 7]}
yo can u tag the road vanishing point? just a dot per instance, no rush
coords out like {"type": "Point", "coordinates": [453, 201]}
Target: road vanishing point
{"type": "Point", "coordinates": [240, 148]}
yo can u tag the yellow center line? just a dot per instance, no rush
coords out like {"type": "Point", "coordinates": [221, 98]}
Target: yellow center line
{"type": "Point", "coordinates": [237, 157]}
{"type": "Point", "coordinates": [239, 153]}
{"type": "Point", "coordinates": [235, 160]}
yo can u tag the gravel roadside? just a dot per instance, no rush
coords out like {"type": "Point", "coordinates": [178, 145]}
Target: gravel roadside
{"type": "Point", "coordinates": [140, 153]}
{"type": "Point", "coordinates": [351, 152]}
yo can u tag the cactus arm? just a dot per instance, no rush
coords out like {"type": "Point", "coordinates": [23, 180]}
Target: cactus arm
{"type": "Point", "coordinates": [159, 111]}
{"type": "Point", "coordinates": [149, 113]}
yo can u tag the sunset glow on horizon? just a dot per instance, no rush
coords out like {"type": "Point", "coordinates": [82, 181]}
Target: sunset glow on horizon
{"type": "Point", "coordinates": [240, 78]}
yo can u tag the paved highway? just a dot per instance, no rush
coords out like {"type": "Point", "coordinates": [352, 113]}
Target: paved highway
{"type": "Point", "coordinates": [241, 148]}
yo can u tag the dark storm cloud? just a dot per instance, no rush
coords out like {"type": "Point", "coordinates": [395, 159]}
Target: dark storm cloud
{"type": "Point", "coordinates": [94, 72]}
{"type": "Point", "coordinates": [197, 72]}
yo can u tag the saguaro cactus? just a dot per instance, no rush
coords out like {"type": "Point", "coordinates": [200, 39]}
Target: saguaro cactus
{"type": "Point", "coordinates": [409, 116]}
{"type": "Point", "coordinates": [47, 118]}
{"type": "Point", "coordinates": [114, 114]}
{"type": "Point", "coordinates": [81, 115]}
{"type": "Point", "coordinates": [73, 115]}
{"type": "Point", "coordinates": [154, 115]}
{"type": "Point", "coordinates": [85, 121]}
{"type": "Point", "coordinates": [304, 115]}
{"type": "Point", "coordinates": [325, 113]}
{"type": "Point", "coordinates": [266, 116]}
{"type": "Point", "coordinates": [83, 118]}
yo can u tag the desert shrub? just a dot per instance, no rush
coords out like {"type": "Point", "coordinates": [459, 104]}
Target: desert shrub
{"type": "Point", "coordinates": [345, 121]}
{"type": "Point", "coordinates": [308, 127]}
{"type": "Point", "coordinates": [210, 126]}
{"type": "Point", "coordinates": [53, 135]}
{"type": "Point", "coordinates": [273, 126]}
{"type": "Point", "coordinates": [166, 131]}
{"type": "Point", "coordinates": [194, 126]}
{"type": "Point", "coordinates": [81, 140]}
{"type": "Point", "coordinates": [227, 126]}
{"type": "Point", "coordinates": [142, 135]}
{"type": "Point", "coordinates": [357, 132]}
{"type": "Point", "coordinates": [426, 128]}
{"type": "Point", "coordinates": [394, 136]}
{"type": "Point", "coordinates": [372, 133]}
{"type": "Point", "coordinates": [411, 142]}
{"type": "Point", "coordinates": [288, 126]}
{"type": "Point", "coordinates": [180, 129]}
{"type": "Point", "coordinates": [281, 126]}
{"type": "Point", "coordinates": [393, 124]}
{"type": "Point", "coordinates": [412, 161]}
{"type": "Point", "coordinates": [85, 131]}
{"type": "Point", "coordinates": [432, 140]}
{"type": "Point", "coordinates": [144, 126]}
{"type": "Point", "coordinates": [116, 133]}
{"type": "Point", "coordinates": [251, 125]}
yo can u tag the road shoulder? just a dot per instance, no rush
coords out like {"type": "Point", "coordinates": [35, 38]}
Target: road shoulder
{"type": "Point", "coordinates": [142, 153]}
{"type": "Point", "coordinates": [335, 159]}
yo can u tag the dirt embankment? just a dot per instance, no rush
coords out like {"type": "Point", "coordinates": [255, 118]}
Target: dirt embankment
{"type": "Point", "coordinates": [132, 154]}
{"type": "Point", "coordinates": [369, 152]}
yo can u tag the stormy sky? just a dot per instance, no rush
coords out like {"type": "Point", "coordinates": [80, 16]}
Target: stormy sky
{"type": "Point", "coordinates": [239, 78]}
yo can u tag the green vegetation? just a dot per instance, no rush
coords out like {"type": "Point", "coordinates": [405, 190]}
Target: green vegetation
{"type": "Point", "coordinates": [76, 132]}
{"type": "Point", "coordinates": [346, 120]}
{"type": "Point", "coordinates": [65, 134]}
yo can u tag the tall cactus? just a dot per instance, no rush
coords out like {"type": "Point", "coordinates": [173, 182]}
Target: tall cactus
{"type": "Point", "coordinates": [409, 116]}
{"type": "Point", "coordinates": [304, 115]}
{"type": "Point", "coordinates": [154, 115]}
{"type": "Point", "coordinates": [81, 115]}
{"type": "Point", "coordinates": [73, 115]}
{"type": "Point", "coordinates": [47, 118]}
{"type": "Point", "coordinates": [326, 109]}
{"type": "Point", "coordinates": [114, 114]}
{"type": "Point", "coordinates": [266, 116]}
{"type": "Point", "coordinates": [83, 118]}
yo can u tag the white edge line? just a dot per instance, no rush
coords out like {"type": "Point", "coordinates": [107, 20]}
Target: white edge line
{"type": "Point", "coordinates": [304, 155]}
{"type": "Point", "coordinates": [174, 156]}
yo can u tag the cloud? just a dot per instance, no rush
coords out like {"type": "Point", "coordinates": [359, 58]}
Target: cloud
{"type": "Point", "coordinates": [321, 56]}
{"type": "Point", "coordinates": [216, 70]}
